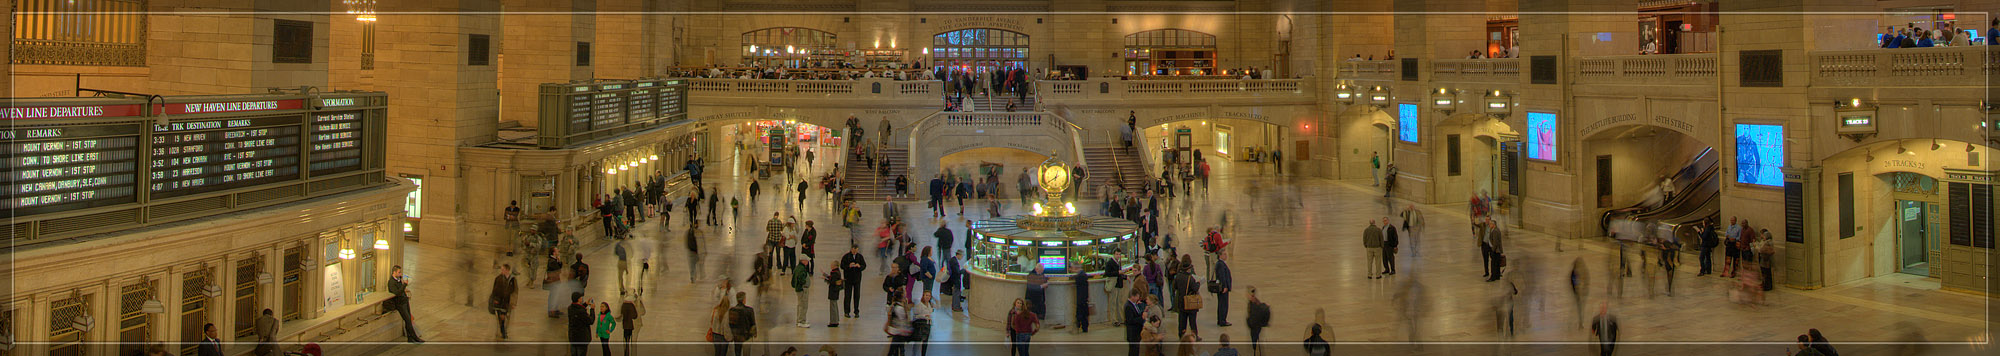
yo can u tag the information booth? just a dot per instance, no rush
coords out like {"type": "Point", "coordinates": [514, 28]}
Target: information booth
{"type": "Point", "coordinates": [1054, 241]}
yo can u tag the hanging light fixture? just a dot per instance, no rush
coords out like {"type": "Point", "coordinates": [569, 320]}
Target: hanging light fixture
{"type": "Point", "coordinates": [346, 253]}
{"type": "Point", "coordinates": [82, 322]}
{"type": "Point", "coordinates": [610, 171]}
{"type": "Point", "coordinates": [653, 157]}
{"type": "Point", "coordinates": [381, 243]}
{"type": "Point", "coordinates": [152, 305]}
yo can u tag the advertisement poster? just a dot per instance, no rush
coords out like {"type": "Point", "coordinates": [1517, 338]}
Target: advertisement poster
{"type": "Point", "coordinates": [1542, 136]}
{"type": "Point", "coordinates": [1406, 122]}
{"type": "Point", "coordinates": [1760, 154]}
{"type": "Point", "coordinates": [333, 288]}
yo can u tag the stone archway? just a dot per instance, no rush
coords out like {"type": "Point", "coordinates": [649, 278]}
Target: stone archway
{"type": "Point", "coordinates": [1365, 133]}
{"type": "Point", "coordinates": [1468, 157]}
{"type": "Point", "coordinates": [1866, 191]}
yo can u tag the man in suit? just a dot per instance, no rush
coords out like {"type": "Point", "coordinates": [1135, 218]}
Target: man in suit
{"type": "Point", "coordinates": [399, 288]}
{"type": "Point", "coordinates": [210, 345]}
{"type": "Point", "coordinates": [1135, 316]}
{"type": "Point", "coordinates": [1222, 284]}
{"type": "Point", "coordinates": [851, 266]}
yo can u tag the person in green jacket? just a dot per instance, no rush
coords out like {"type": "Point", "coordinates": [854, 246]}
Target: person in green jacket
{"type": "Point", "coordinates": [605, 323]}
{"type": "Point", "coordinates": [801, 283]}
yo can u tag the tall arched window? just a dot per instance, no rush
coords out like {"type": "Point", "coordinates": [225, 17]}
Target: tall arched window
{"type": "Point", "coordinates": [1170, 51]}
{"type": "Point", "coordinates": [980, 48]}
{"type": "Point", "coordinates": [786, 46]}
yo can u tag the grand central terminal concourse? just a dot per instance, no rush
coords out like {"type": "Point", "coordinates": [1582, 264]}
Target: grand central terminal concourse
{"type": "Point", "coordinates": [1000, 177]}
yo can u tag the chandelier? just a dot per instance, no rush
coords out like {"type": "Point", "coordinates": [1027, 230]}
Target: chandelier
{"type": "Point", "coordinates": [363, 10]}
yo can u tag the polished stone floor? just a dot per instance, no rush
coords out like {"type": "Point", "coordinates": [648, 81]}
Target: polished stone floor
{"type": "Point", "coordinates": [1297, 241]}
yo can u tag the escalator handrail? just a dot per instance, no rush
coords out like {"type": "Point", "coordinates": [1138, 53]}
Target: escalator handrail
{"type": "Point", "coordinates": [1707, 156]}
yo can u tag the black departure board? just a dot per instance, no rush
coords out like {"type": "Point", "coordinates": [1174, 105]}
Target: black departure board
{"type": "Point", "coordinates": [204, 156]}
{"type": "Point", "coordinates": [585, 111]}
{"type": "Point", "coordinates": [73, 155]}
{"type": "Point", "coordinates": [336, 142]}
{"type": "Point", "coordinates": [76, 167]}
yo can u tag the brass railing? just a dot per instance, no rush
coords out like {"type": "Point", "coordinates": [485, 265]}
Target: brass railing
{"type": "Point", "coordinates": [80, 32]}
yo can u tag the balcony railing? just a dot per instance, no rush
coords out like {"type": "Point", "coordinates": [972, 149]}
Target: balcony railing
{"type": "Point", "coordinates": [1936, 66]}
{"type": "Point", "coordinates": [1664, 69]}
{"type": "Point", "coordinates": [1368, 70]}
{"type": "Point", "coordinates": [876, 88]}
{"type": "Point", "coordinates": [1493, 70]}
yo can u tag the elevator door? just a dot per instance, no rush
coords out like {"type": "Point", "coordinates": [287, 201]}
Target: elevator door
{"type": "Point", "coordinates": [1912, 237]}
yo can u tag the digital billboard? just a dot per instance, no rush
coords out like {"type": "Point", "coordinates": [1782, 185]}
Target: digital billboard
{"type": "Point", "coordinates": [1760, 154]}
{"type": "Point", "coordinates": [1542, 137]}
{"type": "Point", "coordinates": [1406, 122]}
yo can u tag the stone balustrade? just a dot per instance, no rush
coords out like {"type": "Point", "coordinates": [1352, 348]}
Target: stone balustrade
{"type": "Point", "coordinates": [1662, 69]}
{"type": "Point", "coordinates": [1906, 67]}
{"type": "Point", "coordinates": [1490, 70]}
{"type": "Point", "coordinates": [1369, 70]}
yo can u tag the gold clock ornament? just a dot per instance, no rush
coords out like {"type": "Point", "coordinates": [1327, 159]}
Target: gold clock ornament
{"type": "Point", "coordinates": [1054, 177]}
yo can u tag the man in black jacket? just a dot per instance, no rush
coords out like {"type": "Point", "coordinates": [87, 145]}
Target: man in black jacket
{"type": "Point", "coordinates": [501, 302]}
{"type": "Point", "coordinates": [1260, 317]}
{"type": "Point", "coordinates": [580, 321]}
{"type": "Point", "coordinates": [852, 264]}
{"type": "Point", "coordinates": [1708, 243]}
{"type": "Point", "coordinates": [1135, 321]}
{"type": "Point", "coordinates": [1389, 242]}
{"type": "Point", "coordinates": [944, 237]}
{"type": "Point", "coordinates": [399, 290]}
{"type": "Point", "coordinates": [210, 345]}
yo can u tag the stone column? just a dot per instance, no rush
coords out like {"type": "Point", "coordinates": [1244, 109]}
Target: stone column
{"type": "Point", "coordinates": [1549, 32]}
{"type": "Point", "coordinates": [274, 293]}
{"type": "Point", "coordinates": [227, 49]}
{"type": "Point", "coordinates": [1425, 36]}
{"type": "Point", "coordinates": [544, 48]}
{"type": "Point", "coordinates": [441, 100]}
{"type": "Point", "coordinates": [620, 40]}
{"type": "Point", "coordinates": [1342, 37]}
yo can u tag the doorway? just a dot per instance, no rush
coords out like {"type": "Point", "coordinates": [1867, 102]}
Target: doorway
{"type": "Point", "coordinates": [1913, 237]}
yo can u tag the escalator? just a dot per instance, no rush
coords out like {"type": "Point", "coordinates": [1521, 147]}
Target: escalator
{"type": "Point", "coordinates": [1697, 197]}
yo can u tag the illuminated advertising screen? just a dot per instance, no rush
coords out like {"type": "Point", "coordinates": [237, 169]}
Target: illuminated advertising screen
{"type": "Point", "coordinates": [1760, 154]}
{"type": "Point", "coordinates": [1542, 137]}
{"type": "Point", "coordinates": [1406, 122]}
{"type": "Point", "coordinates": [1053, 261]}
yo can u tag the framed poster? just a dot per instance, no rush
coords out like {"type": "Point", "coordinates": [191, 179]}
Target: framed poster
{"type": "Point", "coordinates": [1406, 122]}
{"type": "Point", "coordinates": [1542, 136]}
{"type": "Point", "coordinates": [1760, 154]}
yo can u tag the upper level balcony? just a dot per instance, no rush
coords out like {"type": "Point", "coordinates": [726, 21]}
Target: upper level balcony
{"type": "Point", "coordinates": [1659, 69]}
{"type": "Point", "coordinates": [1488, 70]}
{"type": "Point", "coordinates": [1964, 66]}
{"type": "Point", "coordinates": [1369, 70]}
{"type": "Point", "coordinates": [928, 93]}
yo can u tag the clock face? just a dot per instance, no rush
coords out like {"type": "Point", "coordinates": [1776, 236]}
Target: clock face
{"type": "Point", "coordinates": [1054, 178]}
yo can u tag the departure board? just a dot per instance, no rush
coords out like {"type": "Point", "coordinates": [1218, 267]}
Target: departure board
{"type": "Point", "coordinates": [77, 155]}
{"type": "Point", "coordinates": [336, 142]}
{"type": "Point", "coordinates": [75, 167]}
{"type": "Point", "coordinates": [584, 111]}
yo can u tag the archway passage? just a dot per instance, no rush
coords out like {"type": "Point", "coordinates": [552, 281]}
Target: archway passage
{"type": "Point", "coordinates": [1365, 147]}
{"type": "Point", "coordinates": [1919, 207]}
{"type": "Point", "coordinates": [1660, 177]}
{"type": "Point", "coordinates": [1473, 151]}
{"type": "Point", "coordinates": [1175, 145]}
{"type": "Point", "coordinates": [980, 50]}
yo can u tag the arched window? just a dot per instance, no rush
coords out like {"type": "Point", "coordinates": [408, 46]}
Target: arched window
{"type": "Point", "coordinates": [1170, 51]}
{"type": "Point", "coordinates": [785, 46]}
{"type": "Point", "coordinates": [980, 48]}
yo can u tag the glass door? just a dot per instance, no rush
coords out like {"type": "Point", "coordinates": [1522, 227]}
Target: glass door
{"type": "Point", "coordinates": [1912, 237]}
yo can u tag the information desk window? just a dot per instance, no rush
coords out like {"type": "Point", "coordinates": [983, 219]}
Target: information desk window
{"type": "Point", "coordinates": [1016, 258]}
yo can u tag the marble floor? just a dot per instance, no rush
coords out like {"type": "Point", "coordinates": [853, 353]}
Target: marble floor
{"type": "Point", "coordinates": [1297, 241]}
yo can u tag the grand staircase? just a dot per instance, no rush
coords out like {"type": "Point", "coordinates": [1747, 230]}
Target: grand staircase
{"type": "Point", "coordinates": [1113, 164]}
{"type": "Point", "coordinates": [999, 102]}
{"type": "Point", "coordinates": [870, 186]}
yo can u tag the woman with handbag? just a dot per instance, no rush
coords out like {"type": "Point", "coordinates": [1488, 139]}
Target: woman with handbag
{"type": "Point", "coordinates": [718, 324]}
{"type": "Point", "coordinates": [920, 324]}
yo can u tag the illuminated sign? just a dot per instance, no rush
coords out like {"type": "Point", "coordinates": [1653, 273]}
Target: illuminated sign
{"type": "Point", "coordinates": [1406, 122]}
{"type": "Point", "coordinates": [1857, 120]}
{"type": "Point", "coordinates": [1542, 136]}
{"type": "Point", "coordinates": [1760, 154]}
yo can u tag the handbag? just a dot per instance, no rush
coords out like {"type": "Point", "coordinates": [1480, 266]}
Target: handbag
{"type": "Point", "coordinates": [1191, 302]}
{"type": "Point", "coordinates": [1213, 287]}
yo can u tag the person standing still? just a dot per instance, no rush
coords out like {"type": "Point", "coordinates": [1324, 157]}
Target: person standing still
{"type": "Point", "coordinates": [399, 290]}
{"type": "Point", "coordinates": [513, 216]}
{"type": "Point", "coordinates": [501, 301]}
{"type": "Point", "coordinates": [835, 281]}
{"type": "Point", "coordinates": [852, 264]}
{"type": "Point", "coordinates": [267, 334]}
{"type": "Point", "coordinates": [1708, 243]}
{"type": "Point", "coordinates": [1389, 243]}
{"type": "Point", "coordinates": [1374, 169]}
{"type": "Point", "coordinates": [801, 284]}
{"type": "Point", "coordinates": [1371, 239]}
{"type": "Point", "coordinates": [742, 324]}
{"type": "Point", "coordinates": [1223, 282]}
{"type": "Point", "coordinates": [579, 324]}
{"type": "Point", "coordinates": [1135, 312]}
{"type": "Point", "coordinates": [605, 322]}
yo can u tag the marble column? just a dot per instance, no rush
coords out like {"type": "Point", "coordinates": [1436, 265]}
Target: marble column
{"type": "Point", "coordinates": [442, 101]}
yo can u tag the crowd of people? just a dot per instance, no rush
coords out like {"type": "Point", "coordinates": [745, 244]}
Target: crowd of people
{"type": "Point", "coordinates": [1941, 34]}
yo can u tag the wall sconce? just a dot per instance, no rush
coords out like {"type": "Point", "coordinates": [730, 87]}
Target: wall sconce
{"type": "Point", "coordinates": [1441, 100]}
{"type": "Point", "coordinates": [1379, 97]}
{"type": "Point", "coordinates": [1857, 120]}
{"type": "Point", "coordinates": [1499, 105]}
{"type": "Point", "coordinates": [1344, 94]}
{"type": "Point", "coordinates": [152, 305]}
{"type": "Point", "coordinates": [82, 322]}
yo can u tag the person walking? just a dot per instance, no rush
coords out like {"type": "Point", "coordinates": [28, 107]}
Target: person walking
{"type": "Point", "coordinates": [501, 301]}
{"type": "Point", "coordinates": [1371, 239]}
{"type": "Point", "coordinates": [1259, 318]}
{"type": "Point", "coordinates": [605, 324]}
{"type": "Point", "coordinates": [742, 324]}
{"type": "Point", "coordinates": [802, 193]}
{"type": "Point", "coordinates": [1496, 239]}
{"type": "Point", "coordinates": [944, 237]}
{"type": "Point", "coordinates": [581, 272]}
{"type": "Point", "coordinates": [579, 324]}
{"type": "Point", "coordinates": [1315, 345]}
{"type": "Point", "coordinates": [1605, 329]}
{"type": "Point", "coordinates": [1413, 223]}
{"type": "Point", "coordinates": [852, 265]}
{"type": "Point", "coordinates": [399, 299]}
{"type": "Point", "coordinates": [1389, 243]}
{"type": "Point", "coordinates": [1223, 283]}
{"type": "Point", "coordinates": [897, 325]}
{"type": "Point", "coordinates": [754, 189]}
{"type": "Point", "coordinates": [713, 199]}
{"type": "Point", "coordinates": [267, 334]}
{"type": "Point", "coordinates": [629, 314]}
{"type": "Point", "coordinates": [801, 284]}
